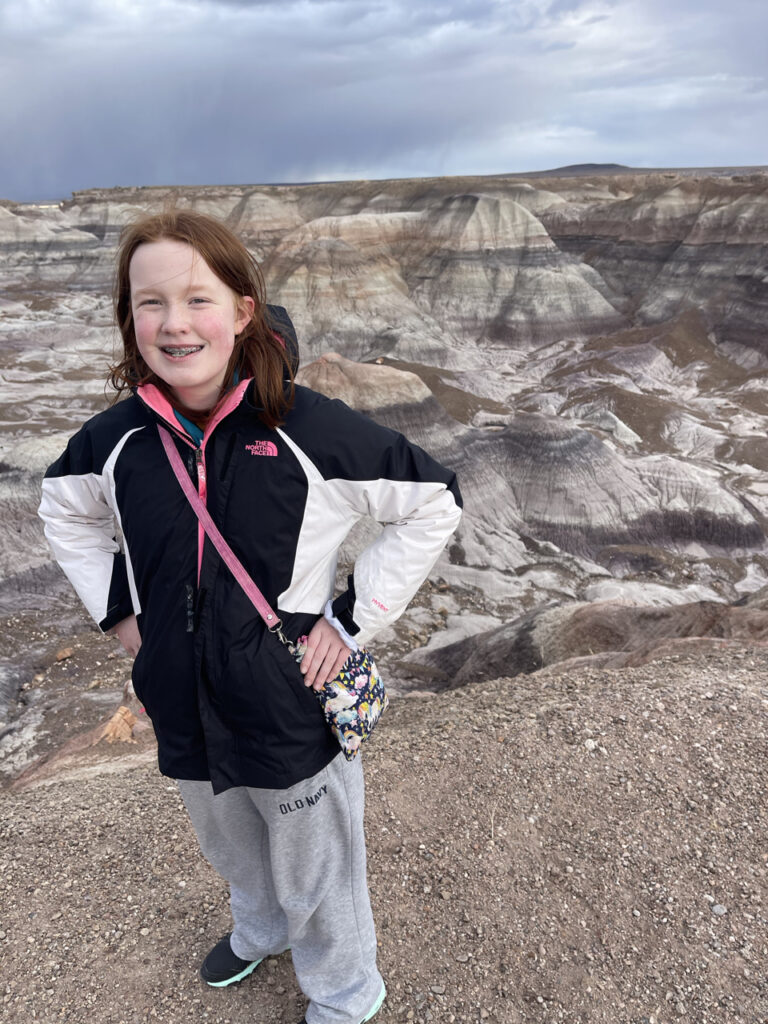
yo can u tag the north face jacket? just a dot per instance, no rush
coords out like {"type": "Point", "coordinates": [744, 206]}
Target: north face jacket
{"type": "Point", "coordinates": [226, 699]}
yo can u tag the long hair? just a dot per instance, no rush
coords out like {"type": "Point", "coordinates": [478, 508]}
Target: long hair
{"type": "Point", "coordinates": [257, 353]}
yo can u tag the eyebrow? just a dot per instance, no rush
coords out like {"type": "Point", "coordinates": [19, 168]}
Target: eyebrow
{"type": "Point", "coordinates": [195, 286]}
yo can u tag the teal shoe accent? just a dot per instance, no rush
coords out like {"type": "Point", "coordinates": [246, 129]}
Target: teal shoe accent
{"type": "Point", "coordinates": [224, 967]}
{"type": "Point", "coordinates": [235, 977]}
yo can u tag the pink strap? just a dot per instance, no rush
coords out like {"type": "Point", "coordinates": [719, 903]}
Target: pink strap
{"type": "Point", "coordinates": [226, 552]}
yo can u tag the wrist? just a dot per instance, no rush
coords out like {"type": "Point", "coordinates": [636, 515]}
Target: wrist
{"type": "Point", "coordinates": [331, 618]}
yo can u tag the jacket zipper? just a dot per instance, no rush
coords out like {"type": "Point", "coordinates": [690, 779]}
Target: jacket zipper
{"type": "Point", "coordinates": [190, 608]}
{"type": "Point", "coordinates": [202, 484]}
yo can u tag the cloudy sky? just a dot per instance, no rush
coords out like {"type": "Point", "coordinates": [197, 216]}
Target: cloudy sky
{"type": "Point", "coordinates": [97, 93]}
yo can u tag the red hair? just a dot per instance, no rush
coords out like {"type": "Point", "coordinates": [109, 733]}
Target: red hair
{"type": "Point", "coordinates": [258, 352]}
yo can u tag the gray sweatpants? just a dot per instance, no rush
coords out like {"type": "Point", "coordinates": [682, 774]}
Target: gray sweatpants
{"type": "Point", "coordinates": [295, 862]}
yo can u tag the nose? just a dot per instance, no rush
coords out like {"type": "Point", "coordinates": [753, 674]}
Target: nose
{"type": "Point", "coordinates": [175, 319]}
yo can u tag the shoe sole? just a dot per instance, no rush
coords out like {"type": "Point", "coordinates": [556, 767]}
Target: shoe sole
{"type": "Point", "coordinates": [235, 977]}
{"type": "Point", "coordinates": [238, 977]}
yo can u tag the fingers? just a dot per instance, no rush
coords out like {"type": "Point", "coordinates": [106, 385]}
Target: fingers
{"type": "Point", "coordinates": [333, 671]}
{"type": "Point", "coordinates": [325, 655]}
{"type": "Point", "coordinates": [320, 666]}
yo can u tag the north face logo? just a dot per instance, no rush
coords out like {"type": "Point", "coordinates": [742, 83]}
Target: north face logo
{"type": "Point", "coordinates": [262, 448]}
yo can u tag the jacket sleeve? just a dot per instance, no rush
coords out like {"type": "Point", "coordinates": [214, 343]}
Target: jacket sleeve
{"type": "Point", "coordinates": [418, 501]}
{"type": "Point", "coordinates": [80, 527]}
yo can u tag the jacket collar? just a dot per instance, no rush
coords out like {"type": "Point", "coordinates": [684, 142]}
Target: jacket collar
{"type": "Point", "coordinates": [158, 403]}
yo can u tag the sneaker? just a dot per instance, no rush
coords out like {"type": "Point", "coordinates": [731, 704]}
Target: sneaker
{"type": "Point", "coordinates": [221, 967]}
{"type": "Point", "coordinates": [371, 1013]}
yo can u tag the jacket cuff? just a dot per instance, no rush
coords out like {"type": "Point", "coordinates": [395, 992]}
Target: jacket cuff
{"type": "Point", "coordinates": [343, 607]}
{"type": "Point", "coordinates": [329, 617]}
{"type": "Point", "coordinates": [116, 614]}
{"type": "Point", "coordinates": [119, 604]}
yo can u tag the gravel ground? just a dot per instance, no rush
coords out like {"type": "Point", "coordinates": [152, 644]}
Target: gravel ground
{"type": "Point", "coordinates": [585, 846]}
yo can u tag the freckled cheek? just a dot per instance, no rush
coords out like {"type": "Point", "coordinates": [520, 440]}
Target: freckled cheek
{"type": "Point", "coordinates": [214, 327]}
{"type": "Point", "coordinates": [145, 335]}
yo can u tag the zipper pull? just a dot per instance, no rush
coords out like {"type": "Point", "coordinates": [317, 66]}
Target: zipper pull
{"type": "Point", "coordinates": [190, 608]}
{"type": "Point", "coordinates": [200, 467]}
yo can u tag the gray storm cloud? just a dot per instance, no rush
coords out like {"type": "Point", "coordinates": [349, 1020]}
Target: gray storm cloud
{"type": "Point", "coordinates": [252, 91]}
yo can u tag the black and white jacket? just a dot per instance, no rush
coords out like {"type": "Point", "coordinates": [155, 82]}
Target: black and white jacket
{"type": "Point", "coordinates": [226, 699]}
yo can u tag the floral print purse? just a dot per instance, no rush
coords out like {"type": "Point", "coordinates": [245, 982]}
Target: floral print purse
{"type": "Point", "coordinates": [353, 701]}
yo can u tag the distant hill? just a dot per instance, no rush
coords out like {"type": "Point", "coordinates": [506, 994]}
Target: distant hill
{"type": "Point", "coordinates": [570, 169]}
{"type": "Point", "coordinates": [576, 170]}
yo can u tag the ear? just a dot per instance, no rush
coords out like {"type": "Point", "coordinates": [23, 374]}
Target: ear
{"type": "Point", "coordinates": [244, 308]}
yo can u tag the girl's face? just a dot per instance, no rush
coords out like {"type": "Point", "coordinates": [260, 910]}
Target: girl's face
{"type": "Point", "coordinates": [185, 319]}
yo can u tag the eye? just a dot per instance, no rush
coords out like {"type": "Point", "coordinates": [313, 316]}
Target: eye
{"type": "Point", "coordinates": [149, 302]}
{"type": "Point", "coordinates": [198, 300]}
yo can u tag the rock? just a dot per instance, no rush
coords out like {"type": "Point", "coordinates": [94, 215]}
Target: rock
{"type": "Point", "coordinates": [77, 755]}
{"type": "Point", "coordinates": [119, 728]}
{"type": "Point", "coordinates": [362, 386]}
{"type": "Point", "coordinates": [607, 633]}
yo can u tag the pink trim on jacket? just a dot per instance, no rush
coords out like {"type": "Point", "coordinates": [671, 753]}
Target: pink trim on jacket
{"type": "Point", "coordinates": [154, 398]}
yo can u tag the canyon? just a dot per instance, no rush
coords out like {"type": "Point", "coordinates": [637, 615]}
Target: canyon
{"type": "Point", "coordinates": [566, 817]}
{"type": "Point", "coordinates": [588, 352]}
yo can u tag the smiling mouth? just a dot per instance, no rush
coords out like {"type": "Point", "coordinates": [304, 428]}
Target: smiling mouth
{"type": "Point", "coordinates": [179, 353]}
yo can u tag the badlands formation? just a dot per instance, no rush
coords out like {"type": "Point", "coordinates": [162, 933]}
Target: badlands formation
{"type": "Point", "coordinates": [588, 352]}
{"type": "Point", "coordinates": [573, 829]}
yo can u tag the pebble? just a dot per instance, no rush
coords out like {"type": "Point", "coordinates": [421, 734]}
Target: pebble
{"type": "Point", "coordinates": [718, 910]}
{"type": "Point", "coordinates": [81, 840]}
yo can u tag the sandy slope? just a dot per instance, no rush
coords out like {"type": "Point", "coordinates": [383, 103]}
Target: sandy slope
{"type": "Point", "coordinates": [585, 847]}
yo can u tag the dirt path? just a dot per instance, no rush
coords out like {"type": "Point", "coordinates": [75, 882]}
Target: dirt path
{"type": "Point", "coordinates": [585, 848]}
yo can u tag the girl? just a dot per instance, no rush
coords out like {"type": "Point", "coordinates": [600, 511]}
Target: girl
{"type": "Point", "coordinates": [284, 473]}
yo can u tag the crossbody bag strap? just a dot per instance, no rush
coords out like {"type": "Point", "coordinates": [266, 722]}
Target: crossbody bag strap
{"type": "Point", "coordinates": [273, 623]}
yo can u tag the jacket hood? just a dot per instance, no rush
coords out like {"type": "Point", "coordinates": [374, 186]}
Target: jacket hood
{"type": "Point", "coordinates": [281, 324]}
